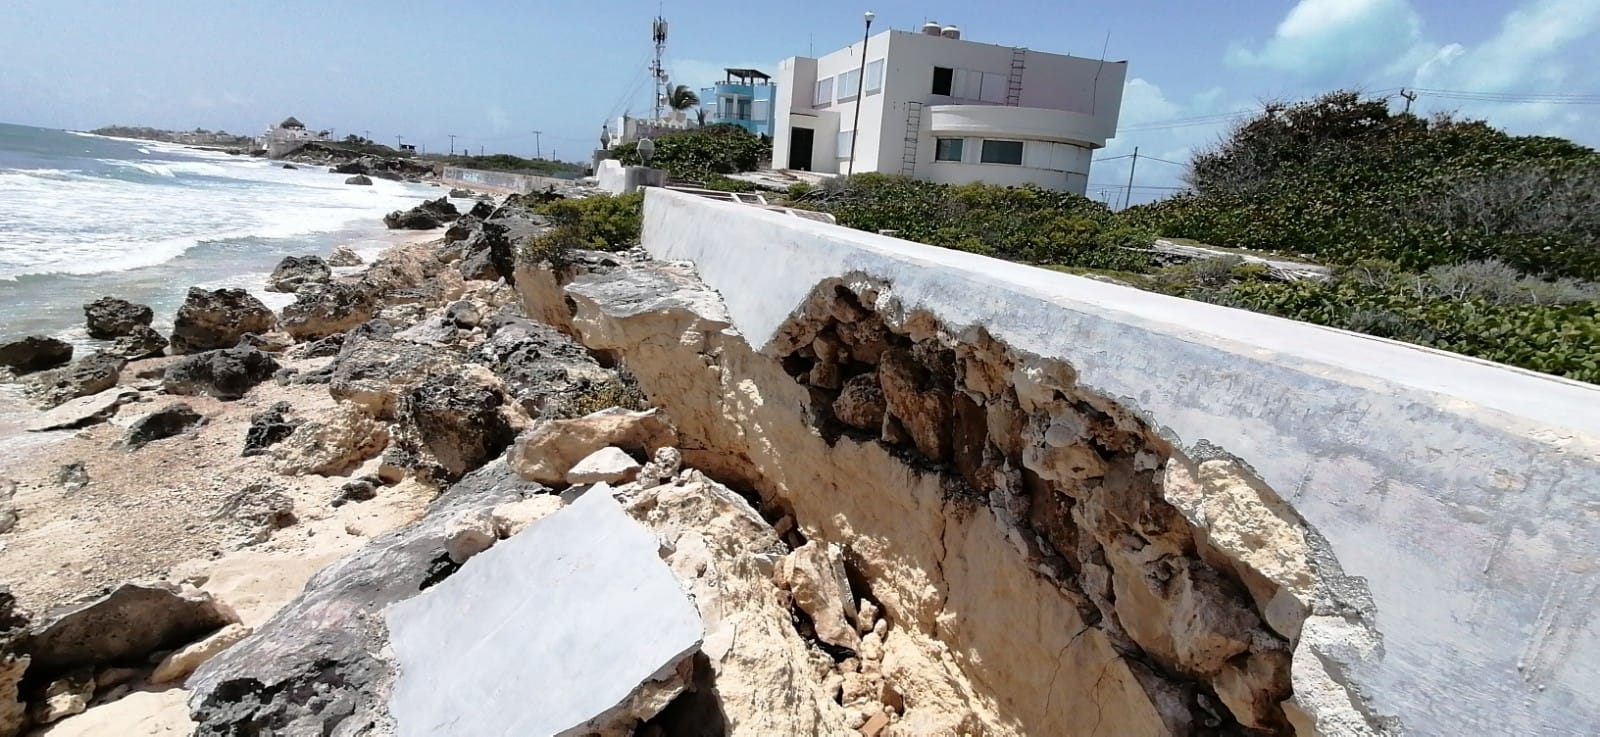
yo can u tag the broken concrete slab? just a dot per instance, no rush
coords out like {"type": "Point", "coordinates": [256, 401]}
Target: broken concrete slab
{"type": "Point", "coordinates": [558, 630]}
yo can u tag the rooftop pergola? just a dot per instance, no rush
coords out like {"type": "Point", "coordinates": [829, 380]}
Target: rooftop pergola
{"type": "Point", "coordinates": [746, 76]}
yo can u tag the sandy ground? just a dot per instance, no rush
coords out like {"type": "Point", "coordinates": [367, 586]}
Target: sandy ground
{"type": "Point", "coordinates": [155, 514]}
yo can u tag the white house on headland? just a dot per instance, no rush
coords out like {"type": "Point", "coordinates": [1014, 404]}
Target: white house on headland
{"type": "Point", "coordinates": [286, 137]}
{"type": "Point", "coordinates": [936, 107]}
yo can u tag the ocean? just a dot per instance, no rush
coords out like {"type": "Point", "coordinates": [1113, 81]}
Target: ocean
{"type": "Point", "coordinates": [85, 216]}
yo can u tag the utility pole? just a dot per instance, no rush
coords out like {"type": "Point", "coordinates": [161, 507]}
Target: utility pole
{"type": "Point", "coordinates": [452, 144]}
{"type": "Point", "coordinates": [480, 150]}
{"type": "Point", "coordinates": [538, 152]}
{"type": "Point", "coordinates": [1128, 196]}
{"type": "Point", "coordinates": [397, 143]}
{"type": "Point", "coordinates": [1409, 96]}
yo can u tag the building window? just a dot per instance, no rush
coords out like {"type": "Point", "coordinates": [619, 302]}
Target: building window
{"type": "Point", "coordinates": [1001, 152]}
{"type": "Point", "coordinates": [874, 76]}
{"type": "Point", "coordinates": [824, 93]}
{"type": "Point", "coordinates": [843, 143]}
{"type": "Point", "coordinates": [942, 78]}
{"type": "Point", "coordinates": [948, 149]}
{"type": "Point", "coordinates": [849, 84]}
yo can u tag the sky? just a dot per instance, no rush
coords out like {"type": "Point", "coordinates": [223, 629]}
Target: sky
{"type": "Point", "coordinates": [492, 72]}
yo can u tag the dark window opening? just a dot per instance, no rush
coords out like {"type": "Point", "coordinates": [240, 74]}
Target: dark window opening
{"type": "Point", "coordinates": [943, 78]}
{"type": "Point", "coordinates": [1001, 152]}
{"type": "Point", "coordinates": [948, 149]}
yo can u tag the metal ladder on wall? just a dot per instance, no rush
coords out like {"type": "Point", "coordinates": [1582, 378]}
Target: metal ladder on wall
{"type": "Point", "coordinates": [908, 155]}
{"type": "Point", "coordinates": [1014, 83]}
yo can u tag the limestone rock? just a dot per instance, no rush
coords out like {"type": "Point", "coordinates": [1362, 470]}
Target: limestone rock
{"type": "Point", "coordinates": [345, 256]}
{"type": "Point", "coordinates": [361, 179]}
{"type": "Point", "coordinates": [514, 517]}
{"type": "Point", "coordinates": [332, 446]}
{"type": "Point", "coordinates": [463, 314]}
{"type": "Point", "coordinates": [814, 573]}
{"type": "Point", "coordinates": [261, 507]}
{"type": "Point", "coordinates": [375, 372]}
{"type": "Point", "coordinates": [604, 466]}
{"type": "Point", "coordinates": [320, 310]}
{"type": "Point", "coordinates": [13, 712]}
{"type": "Point", "coordinates": [185, 660]}
{"type": "Point", "coordinates": [34, 353]}
{"type": "Point", "coordinates": [454, 425]}
{"type": "Point", "coordinates": [860, 404]}
{"type": "Point", "coordinates": [661, 468]}
{"type": "Point", "coordinates": [110, 317]}
{"type": "Point", "coordinates": [225, 374]}
{"type": "Point", "coordinates": [211, 320]}
{"type": "Point", "coordinates": [267, 428]}
{"type": "Point", "coordinates": [127, 624]}
{"type": "Point", "coordinates": [318, 666]}
{"type": "Point", "coordinates": [913, 397]}
{"type": "Point", "coordinates": [173, 419]}
{"type": "Point", "coordinates": [544, 371]}
{"type": "Point", "coordinates": [276, 341]}
{"type": "Point", "coordinates": [84, 411]}
{"type": "Point", "coordinates": [141, 342]}
{"type": "Point", "coordinates": [294, 272]}
{"type": "Point", "coordinates": [92, 374]}
{"type": "Point", "coordinates": [468, 534]}
{"type": "Point", "coordinates": [64, 697]}
{"type": "Point", "coordinates": [72, 476]}
{"type": "Point", "coordinates": [547, 450]}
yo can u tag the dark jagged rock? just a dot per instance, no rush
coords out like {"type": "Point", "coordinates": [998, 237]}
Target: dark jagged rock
{"type": "Point", "coordinates": [124, 626]}
{"type": "Point", "coordinates": [320, 310]}
{"type": "Point", "coordinates": [359, 179]}
{"type": "Point", "coordinates": [72, 476]}
{"type": "Point", "coordinates": [290, 166]}
{"type": "Point", "coordinates": [317, 667]}
{"type": "Point", "coordinates": [169, 421]}
{"type": "Point", "coordinates": [462, 229]}
{"type": "Point", "coordinates": [35, 353]}
{"type": "Point", "coordinates": [441, 208]}
{"type": "Point", "coordinates": [543, 370]}
{"type": "Point", "coordinates": [454, 425]}
{"type": "Point", "coordinates": [226, 374]}
{"type": "Point", "coordinates": [459, 193]}
{"type": "Point", "coordinates": [93, 374]}
{"type": "Point", "coordinates": [294, 272]}
{"type": "Point", "coordinates": [268, 428]}
{"type": "Point", "coordinates": [143, 342]}
{"type": "Point", "coordinates": [209, 320]}
{"type": "Point", "coordinates": [110, 317]}
{"type": "Point", "coordinates": [351, 167]}
{"type": "Point", "coordinates": [481, 210]}
{"type": "Point", "coordinates": [359, 490]}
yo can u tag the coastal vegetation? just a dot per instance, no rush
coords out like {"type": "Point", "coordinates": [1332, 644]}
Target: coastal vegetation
{"type": "Point", "coordinates": [600, 222]}
{"type": "Point", "coordinates": [1441, 232]}
{"type": "Point", "coordinates": [700, 154]}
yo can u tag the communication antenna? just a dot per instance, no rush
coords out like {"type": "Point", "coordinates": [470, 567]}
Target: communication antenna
{"type": "Point", "coordinates": [658, 34]}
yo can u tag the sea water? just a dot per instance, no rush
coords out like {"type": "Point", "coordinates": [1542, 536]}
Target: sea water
{"type": "Point", "coordinates": [85, 216]}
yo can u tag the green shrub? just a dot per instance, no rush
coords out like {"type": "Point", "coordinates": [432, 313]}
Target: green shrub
{"type": "Point", "coordinates": [1018, 223]}
{"type": "Point", "coordinates": [698, 153]}
{"type": "Point", "coordinates": [724, 184]}
{"type": "Point", "coordinates": [603, 222]}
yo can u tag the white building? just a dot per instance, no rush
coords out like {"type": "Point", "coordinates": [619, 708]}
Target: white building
{"type": "Point", "coordinates": [287, 137]}
{"type": "Point", "coordinates": [948, 110]}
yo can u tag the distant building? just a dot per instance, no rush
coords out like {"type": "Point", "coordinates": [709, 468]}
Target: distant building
{"type": "Point", "coordinates": [947, 110]}
{"type": "Point", "coordinates": [742, 98]}
{"type": "Point", "coordinates": [286, 137]}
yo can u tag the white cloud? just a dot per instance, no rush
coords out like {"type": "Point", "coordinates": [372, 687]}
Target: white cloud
{"type": "Point", "coordinates": [1320, 37]}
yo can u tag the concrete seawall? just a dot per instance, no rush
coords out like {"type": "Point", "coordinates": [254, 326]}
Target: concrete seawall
{"type": "Point", "coordinates": [1465, 494]}
{"type": "Point", "coordinates": [497, 181]}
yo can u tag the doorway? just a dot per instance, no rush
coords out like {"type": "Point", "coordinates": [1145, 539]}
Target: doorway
{"type": "Point", "coordinates": [801, 141]}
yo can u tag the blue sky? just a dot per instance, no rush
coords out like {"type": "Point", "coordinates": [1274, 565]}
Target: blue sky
{"type": "Point", "coordinates": [492, 72]}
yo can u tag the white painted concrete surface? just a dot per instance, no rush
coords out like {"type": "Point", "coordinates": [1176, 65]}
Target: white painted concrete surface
{"type": "Point", "coordinates": [543, 631]}
{"type": "Point", "coordinates": [1466, 493]}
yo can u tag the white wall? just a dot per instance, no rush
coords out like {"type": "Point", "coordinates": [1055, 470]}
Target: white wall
{"type": "Point", "coordinates": [1465, 493]}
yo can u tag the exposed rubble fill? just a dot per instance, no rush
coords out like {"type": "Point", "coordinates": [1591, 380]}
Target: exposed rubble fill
{"type": "Point", "coordinates": [1047, 562]}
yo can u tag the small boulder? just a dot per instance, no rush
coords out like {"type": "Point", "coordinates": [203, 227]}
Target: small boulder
{"type": "Point", "coordinates": [276, 341]}
{"type": "Point", "coordinates": [93, 374]}
{"type": "Point", "coordinates": [860, 403]}
{"type": "Point", "coordinates": [459, 193]}
{"type": "Point", "coordinates": [413, 219]}
{"type": "Point", "coordinates": [357, 166]}
{"type": "Point", "coordinates": [333, 446]}
{"type": "Point", "coordinates": [359, 490]}
{"type": "Point", "coordinates": [187, 659]}
{"type": "Point", "coordinates": [35, 353]}
{"type": "Point", "coordinates": [607, 465]}
{"type": "Point", "coordinates": [224, 374]}
{"type": "Point", "coordinates": [213, 319]}
{"type": "Point", "coordinates": [290, 167]}
{"type": "Point", "coordinates": [546, 451]}
{"type": "Point", "coordinates": [294, 272]}
{"type": "Point", "coordinates": [463, 314]}
{"type": "Point", "coordinates": [110, 317]}
{"type": "Point", "coordinates": [169, 421]}
{"type": "Point", "coordinates": [262, 508]}
{"type": "Point", "coordinates": [441, 208]}
{"type": "Point", "coordinates": [267, 428]}
{"type": "Point", "coordinates": [320, 310]}
{"type": "Point", "coordinates": [140, 343]}
{"type": "Point", "coordinates": [127, 624]}
{"type": "Point", "coordinates": [469, 534]}
{"type": "Point", "coordinates": [73, 476]}
{"type": "Point", "coordinates": [456, 423]}
{"type": "Point", "coordinates": [66, 696]}
{"type": "Point", "coordinates": [360, 179]}
{"type": "Point", "coordinates": [814, 574]}
{"type": "Point", "coordinates": [345, 256]}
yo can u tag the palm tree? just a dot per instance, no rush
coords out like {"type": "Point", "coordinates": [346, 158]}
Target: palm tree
{"type": "Point", "coordinates": [682, 98]}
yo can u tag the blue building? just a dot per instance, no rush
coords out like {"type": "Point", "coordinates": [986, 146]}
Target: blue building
{"type": "Point", "coordinates": [744, 98]}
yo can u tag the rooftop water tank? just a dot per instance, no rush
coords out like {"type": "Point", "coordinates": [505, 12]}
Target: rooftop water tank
{"type": "Point", "coordinates": [931, 28]}
{"type": "Point", "coordinates": [950, 32]}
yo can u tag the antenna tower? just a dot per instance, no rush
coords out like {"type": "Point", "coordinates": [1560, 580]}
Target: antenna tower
{"type": "Point", "coordinates": [658, 34]}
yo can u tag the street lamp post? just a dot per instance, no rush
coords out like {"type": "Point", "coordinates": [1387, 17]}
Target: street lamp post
{"type": "Point", "coordinates": [861, 95]}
